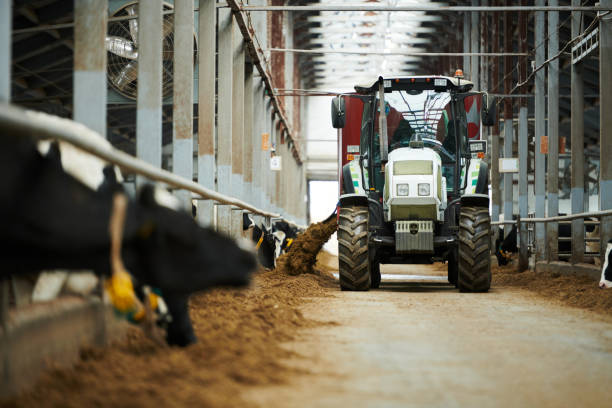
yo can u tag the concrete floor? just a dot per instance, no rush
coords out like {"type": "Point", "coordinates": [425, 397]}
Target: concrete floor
{"type": "Point", "coordinates": [425, 344]}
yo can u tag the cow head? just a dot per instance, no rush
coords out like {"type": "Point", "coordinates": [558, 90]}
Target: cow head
{"type": "Point", "coordinates": [606, 272]}
{"type": "Point", "coordinates": [264, 244]}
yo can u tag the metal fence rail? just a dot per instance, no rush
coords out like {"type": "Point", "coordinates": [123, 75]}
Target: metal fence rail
{"type": "Point", "coordinates": [42, 125]}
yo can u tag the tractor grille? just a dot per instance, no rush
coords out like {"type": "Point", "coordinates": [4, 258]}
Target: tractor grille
{"type": "Point", "coordinates": [414, 237]}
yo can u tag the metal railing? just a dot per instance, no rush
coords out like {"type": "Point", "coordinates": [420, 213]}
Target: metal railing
{"type": "Point", "coordinates": [42, 125]}
{"type": "Point", "coordinates": [562, 219]}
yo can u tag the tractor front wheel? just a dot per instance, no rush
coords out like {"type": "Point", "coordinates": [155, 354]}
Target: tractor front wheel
{"type": "Point", "coordinates": [353, 257]}
{"type": "Point", "coordinates": [474, 250]}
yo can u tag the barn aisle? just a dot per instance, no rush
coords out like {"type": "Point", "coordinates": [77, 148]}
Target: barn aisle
{"type": "Point", "coordinates": [417, 344]}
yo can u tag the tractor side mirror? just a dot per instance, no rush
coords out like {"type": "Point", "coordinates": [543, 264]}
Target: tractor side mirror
{"type": "Point", "coordinates": [488, 112]}
{"type": "Point", "coordinates": [337, 112]}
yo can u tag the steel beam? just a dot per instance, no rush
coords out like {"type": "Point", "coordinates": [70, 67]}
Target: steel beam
{"type": "Point", "coordinates": [392, 52]}
{"type": "Point", "coordinates": [6, 46]}
{"type": "Point", "coordinates": [207, 34]}
{"type": "Point", "coordinates": [182, 114]}
{"type": "Point", "coordinates": [605, 124]}
{"type": "Point", "coordinates": [540, 110]}
{"type": "Point", "coordinates": [577, 135]}
{"type": "Point", "coordinates": [224, 115]}
{"type": "Point", "coordinates": [149, 103]}
{"type": "Point", "coordinates": [89, 99]}
{"type": "Point", "coordinates": [237, 179]}
{"type": "Point", "coordinates": [440, 9]}
{"type": "Point", "coordinates": [552, 190]}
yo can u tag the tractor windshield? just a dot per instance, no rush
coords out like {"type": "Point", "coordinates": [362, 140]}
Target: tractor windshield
{"type": "Point", "coordinates": [424, 112]}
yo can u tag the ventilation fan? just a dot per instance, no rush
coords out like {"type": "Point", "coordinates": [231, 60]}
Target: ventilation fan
{"type": "Point", "coordinates": [122, 50]}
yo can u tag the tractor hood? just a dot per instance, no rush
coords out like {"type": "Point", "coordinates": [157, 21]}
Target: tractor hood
{"type": "Point", "coordinates": [414, 186]}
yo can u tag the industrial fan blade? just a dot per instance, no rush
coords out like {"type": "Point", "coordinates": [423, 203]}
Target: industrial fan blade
{"type": "Point", "coordinates": [121, 47]}
{"type": "Point", "coordinates": [126, 76]}
{"type": "Point", "coordinates": [132, 11]}
{"type": "Point", "coordinates": [168, 25]}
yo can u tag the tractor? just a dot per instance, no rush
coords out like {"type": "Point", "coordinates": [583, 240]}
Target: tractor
{"type": "Point", "coordinates": [413, 179]}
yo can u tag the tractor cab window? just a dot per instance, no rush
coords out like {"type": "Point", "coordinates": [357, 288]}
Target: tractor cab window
{"type": "Point", "coordinates": [410, 112]}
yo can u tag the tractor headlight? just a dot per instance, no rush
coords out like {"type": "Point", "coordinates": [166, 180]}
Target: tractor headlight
{"type": "Point", "coordinates": [402, 189]}
{"type": "Point", "coordinates": [423, 189]}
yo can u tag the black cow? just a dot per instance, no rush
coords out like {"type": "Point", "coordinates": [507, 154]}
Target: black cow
{"type": "Point", "coordinates": [506, 247]}
{"type": "Point", "coordinates": [264, 245]}
{"type": "Point", "coordinates": [52, 221]}
{"type": "Point", "coordinates": [606, 272]}
{"type": "Point", "coordinates": [284, 234]}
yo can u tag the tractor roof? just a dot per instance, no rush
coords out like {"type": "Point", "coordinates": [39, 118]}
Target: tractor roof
{"type": "Point", "coordinates": [416, 82]}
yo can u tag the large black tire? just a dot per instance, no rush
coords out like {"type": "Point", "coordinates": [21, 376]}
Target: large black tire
{"type": "Point", "coordinates": [474, 250]}
{"type": "Point", "coordinates": [375, 274]}
{"type": "Point", "coordinates": [453, 266]}
{"type": "Point", "coordinates": [353, 257]}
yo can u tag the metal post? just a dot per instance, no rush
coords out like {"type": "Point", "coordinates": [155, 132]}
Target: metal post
{"type": "Point", "coordinates": [6, 46]}
{"type": "Point", "coordinates": [149, 104]}
{"type": "Point", "coordinates": [248, 134]}
{"type": "Point", "coordinates": [182, 115]}
{"type": "Point", "coordinates": [89, 99]}
{"type": "Point", "coordinates": [237, 113]}
{"type": "Point", "coordinates": [475, 46]}
{"type": "Point", "coordinates": [206, 105]}
{"type": "Point", "coordinates": [577, 129]}
{"type": "Point", "coordinates": [605, 124]}
{"type": "Point", "coordinates": [466, 43]}
{"type": "Point", "coordinates": [552, 228]}
{"type": "Point", "coordinates": [540, 110]}
{"type": "Point", "coordinates": [508, 122]}
{"type": "Point", "coordinates": [258, 129]}
{"type": "Point", "coordinates": [495, 135]}
{"type": "Point", "coordinates": [523, 142]}
{"type": "Point", "coordinates": [224, 116]}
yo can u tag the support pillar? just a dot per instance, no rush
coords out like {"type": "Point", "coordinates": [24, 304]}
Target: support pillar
{"type": "Point", "coordinates": [206, 106]}
{"type": "Point", "coordinates": [149, 103]}
{"type": "Point", "coordinates": [605, 125]}
{"type": "Point", "coordinates": [475, 46]}
{"type": "Point", "coordinates": [495, 136]}
{"type": "Point", "coordinates": [237, 187]}
{"type": "Point", "coordinates": [577, 129]}
{"type": "Point", "coordinates": [508, 123]}
{"type": "Point", "coordinates": [182, 114]}
{"type": "Point", "coordinates": [523, 144]}
{"type": "Point", "coordinates": [248, 134]}
{"type": "Point", "coordinates": [552, 193]}
{"type": "Point", "coordinates": [224, 116]}
{"type": "Point", "coordinates": [89, 99]}
{"type": "Point", "coordinates": [466, 43]}
{"type": "Point", "coordinates": [540, 111]}
{"type": "Point", "coordinates": [6, 46]}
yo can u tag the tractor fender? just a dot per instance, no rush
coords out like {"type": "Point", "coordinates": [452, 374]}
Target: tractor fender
{"type": "Point", "coordinates": [477, 200]}
{"type": "Point", "coordinates": [355, 199]}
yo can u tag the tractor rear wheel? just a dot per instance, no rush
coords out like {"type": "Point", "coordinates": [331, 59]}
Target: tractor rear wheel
{"type": "Point", "coordinates": [474, 250]}
{"type": "Point", "coordinates": [353, 257]}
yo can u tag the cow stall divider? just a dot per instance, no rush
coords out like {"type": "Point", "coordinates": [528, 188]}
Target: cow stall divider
{"type": "Point", "coordinates": [560, 266]}
{"type": "Point", "coordinates": [93, 316]}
